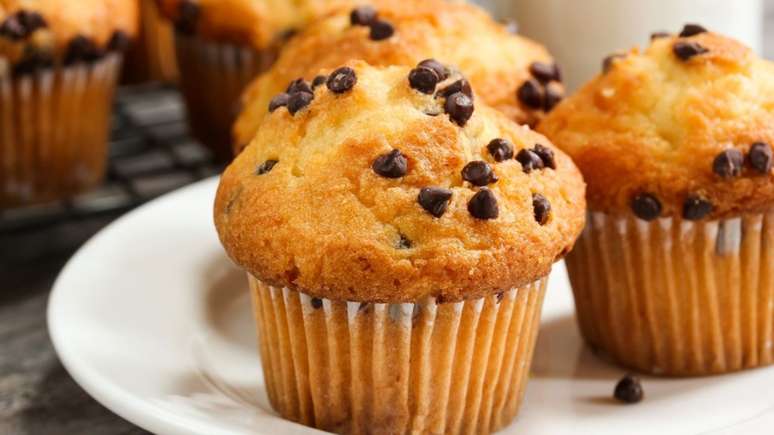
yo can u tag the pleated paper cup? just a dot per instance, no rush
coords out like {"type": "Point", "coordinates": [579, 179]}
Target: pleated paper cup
{"type": "Point", "coordinates": [212, 78]}
{"type": "Point", "coordinates": [152, 56]}
{"type": "Point", "coordinates": [677, 298]}
{"type": "Point", "coordinates": [423, 368]}
{"type": "Point", "coordinates": [54, 126]}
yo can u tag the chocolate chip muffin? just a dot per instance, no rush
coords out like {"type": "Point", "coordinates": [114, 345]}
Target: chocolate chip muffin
{"type": "Point", "coordinates": [55, 61]}
{"type": "Point", "coordinates": [511, 73]}
{"type": "Point", "coordinates": [398, 244]}
{"type": "Point", "coordinates": [674, 272]}
{"type": "Point", "coordinates": [225, 44]}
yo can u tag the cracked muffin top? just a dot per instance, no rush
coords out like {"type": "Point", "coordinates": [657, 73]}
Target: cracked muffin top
{"type": "Point", "coordinates": [393, 184]}
{"type": "Point", "coordinates": [39, 33]}
{"type": "Point", "coordinates": [509, 72]}
{"type": "Point", "coordinates": [682, 129]}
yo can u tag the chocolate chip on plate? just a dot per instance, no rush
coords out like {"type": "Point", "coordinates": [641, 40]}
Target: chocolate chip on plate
{"type": "Point", "coordinates": [362, 15]}
{"type": "Point", "coordinates": [438, 67]}
{"type": "Point", "coordinates": [692, 30]}
{"type": "Point", "coordinates": [696, 208]}
{"type": "Point", "coordinates": [280, 100]}
{"type": "Point", "coordinates": [342, 80]}
{"type": "Point", "coordinates": [541, 207]}
{"type": "Point", "coordinates": [500, 149]}
{"type": "Point", "coordinates": [298, 101]}
{"type": "Point", "coordinates": [319, 81]}
{"type": "Point", "coordinates": [646, 206]}
{"type": "Point", "coordinates": [423, 79]}
{"type": "Point", "coordinates": [760, 157]}
{"type": "Point", "coordinates": [459, 107]}
{"type": "Point", "coordinates": [479, 173]}
{"type": "Point", "coordinates": [546, 155]}
{"type": "Point", "coordinates": [391, 165]}
{"type": "Point", "coordinates": [545, 72]}
{"type": "Point", "coordinates": [686, 50]}
{"type": "Point", "coordinates": [460, 85]}
{"type": "Point", "coordinates": [483, 205]}
{"type": "Point", "coordinates": [529, 160]}
{"type": "Point", "coordinates": [434, 200]}
{"type": "Point", "coordinates": [266, 167]}
{"type": "Point", "coordinates": [188, 15]}
{"type": "Point", "coordinates": [629, 389]}
{"type": "Point", "coordinates": [530, 93]}
{"type": "Point", "coordinates": [729, 163]}
{"type": "Point", "coordinates": [381, 30]}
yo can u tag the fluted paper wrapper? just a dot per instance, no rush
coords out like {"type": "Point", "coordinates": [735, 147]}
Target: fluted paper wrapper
{"type": "Point", "coordinates": [212, 78]}
{"type": "Point", "coordinates": [424, 368]}
{"type": "Point", "coordinates": [54, 126]}
{"type": "Point", "coordinates": [677, 298]}
{"type": "Point", "coordinates": [152, 56]}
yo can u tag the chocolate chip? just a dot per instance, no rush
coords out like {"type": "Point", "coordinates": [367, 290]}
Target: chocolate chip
{"type": "Point", "coordinates": [529, 160]}
{"type": "Point", "coordinates": [629, 390]}
{"type": "Point", "coordinates": [265, 167]}
{"type": "Point", "coordinates": [729, 163]}
{"type": "Point", "coordinates": [499, 296]}
{"type": "Point", "coordinates": [530, 93]}
{"type": "Point", "coordinates": [31, 21]}
{"type": "Point", "coordinates": [686, 50]}
{"type": "Point", "coordinates": [32, 60]}
{"type": "Point", "coordinates": [82, 49]}
{"type": "Point", "coordinates": [391, 165]}
{"type": "Point", "coordinates": [646, 206]}
{"type": "Point", "coordinates": [319, 81]}
{"type": "Point", "coordinates": [280, 100]}
{"type": "Point", "coordinates": [316, 303]}
{"type": "Point", "coordinates": [546, 155]}
{"type": "Point", "coordinates": [434, 200]}
{"type": "Point", "coordinates": [342, 80]}
{"type": "Point", "coordinates": [695, 208]}
{"type": "Point", "coordinates": [13, 29]}
{"type": "Point", "coordinates": [362, 16]}
{"type": "Point", "coordinates": [609, 61]}
{"type": "Point", "coordinates": [554, 95]}
{"type": "Point", "coordinates": [381, 30]}
{"type": "Point", "coordinates": [459, 107]}
{"type": "Point", "coordinates": [188, 16]}
{"type": "Point", "coordinates": [479, 173]}
{"type": "Point", "coordinates": [500, 149]}
{"type": "Point", "coordinates": [438, 67]}
{"type": "Point", "coordinates": [460, 85]}
{"type": "Point", "coordinates": [286, 35]}
{"type": "Point", "coordinates": [692, 30]}
{"type": "Point", "coordinates": [545, 72]}
{"type": "Point", "coordinates": [542, 208]}
{"type": "Point", "coordinates": [298, 101]}
{"type": "Point", "coordinates": [483, 205]}
{"type": "Point", "coordinates": [659, 35]}
{"type": "Point", "coordinates": [760, 157]}
{"type": "Point", "coordinates": [404, 242]}
{"type": "Point", "coordinates": [299, 85]}
{"type": "Point", "coordinates": [119, 41]}
{"type": "Point", "coordinates": [423, 79]}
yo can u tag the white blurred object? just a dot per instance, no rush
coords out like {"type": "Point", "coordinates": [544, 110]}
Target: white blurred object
{"type": "Point", "coordinates": [580, 33]}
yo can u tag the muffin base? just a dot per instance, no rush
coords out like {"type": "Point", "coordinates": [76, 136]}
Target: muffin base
{"type": "Point", "coordinates": [426, 368]}
{"type": "Point", "coordinates": [53, 131]}
{"type": "Point", "coordinates": [677, 298]}
{"type": "Point", "coordinates": [212, 78]}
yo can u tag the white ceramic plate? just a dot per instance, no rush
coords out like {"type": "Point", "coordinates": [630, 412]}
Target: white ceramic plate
{"type": "Point", "coordinates": [154, 322]}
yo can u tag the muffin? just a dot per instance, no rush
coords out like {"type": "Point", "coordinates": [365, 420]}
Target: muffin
{"type": "Point", "coordinates": [58, 70]}
{"type": "Point", "coordinates": [511, 73]}
{"type": "Point", "coordinates": [152, 56]}
{"type": "Point", "coordinates": [223, 44]}
{"type": "Point", "coordinates": [397, 252]}
{"type": "Point", "coordinates": [674, 272]}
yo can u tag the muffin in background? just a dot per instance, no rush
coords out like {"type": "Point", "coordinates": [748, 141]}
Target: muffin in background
{"type": "Point", "coordinates": [397, 245]}
{"type": "Point", "coordinates": [223, 44]}
{"type": "Point", "coordinates": [674, 273]}
{"type": "Point", "coordinates": [58, 70]}
{"type": "Point", "coordinates": [152, 56]}
{"type": "Point", "coordinates": [509, 72]}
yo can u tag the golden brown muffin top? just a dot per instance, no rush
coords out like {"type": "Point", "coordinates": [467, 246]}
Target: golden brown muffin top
{"type": "Point", "coordinates": [39, 32]}
{"type": "Point", "coordinates": [681, 129]}
{"type": "Point", "coordinates": [370, 190]}
{"type": "Point", "coordinates": [496, 61]}
{"type": "Point", "coordinates": [258, 23]}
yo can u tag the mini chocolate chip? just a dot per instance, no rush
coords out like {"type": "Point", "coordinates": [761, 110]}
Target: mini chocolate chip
{"type": "Point", "coordinates": [460, 85]}
{"type": "Point", "coordinates": [298, 101]}
{"type": "Point", "coordinates": [459, 107]}
{"type": "Point", "coordinates": [529, 160]}
{"type": "Point", "coordinates": [81, 49]}
{"type": "Point", "coordinates": [381, 30]}
{"type": "Point", "coordinates": [695, 208]}
{"type": "Point", "coordinates": [32, 60]}
{"type": "Point", "coordinates": [299, 85]}
{"type": "Point", "coordinates": [438, 67]}
{"type": "Point", "coordinates": [609, 61]}
{"type": "Point", "coordinates": [646, 206]}
{"type": "Point", "coordinates": [13, 29]}
{"type": "Point", "coordinates": [404, 242]}
{"type": "Point", "coordinates": [479, 173]}
{"type": "Point", "coordinates": [31, 21]}
{"type": "Point", "coordinates": [500, 296]}
{"type": "Point", "coordinates": [686, 50]}
{"type": "Point", "coordinates": [542, 208]}
{"type": "Point", "coordinates": [423, 79]}
{"type": "Point", "coordinates": [692, 30]}
{"type": "Point", "coordinates": [319, 81]}
{"type": "Point", "coordinates": [546, 155]}
{"type": "Point", "coordinates": [500, 149]}
{"type": "Point", "coordinates": [729, 163]}
{"type": "Point", "coordinates": [434, 200]}
{"type": "Point", "coordinates": [266, 167]}
{"type": "Point", "coordinates": [316, 303]}
{"type": "Point", "coordinates": [362, 15]}
{"type": "Point", "coordinates": [545, 72]}
{"type": "Point", "coordinates": [554, 95]}
{"type": "Point", "coordinates": [188, 16]}
{"type": "Point", "coordinates": [760, 157]}
{"type": "Point", "coordinates": [629, 390]}
{"type": "Point", "coordinates": [659, 35]}
{"type": "Point", "coordinates": [280, 100]}
{"type": "Point", "coordinates": [119, 41]}
{"type": "Point", "coordinates": [483, 205]}
{"type": "Point", "coordinates": [391, 165]}
{"type": "Point", "coordinates": [530, 93]}
{"type": "Point", "coordinates": [342, 80]}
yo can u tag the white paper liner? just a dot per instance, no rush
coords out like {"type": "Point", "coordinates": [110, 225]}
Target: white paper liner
{"type": "Point", "coordinates": [675, 297]}
{"type": "Point", "coordinates": [212, 78]}
{"type": "Point", "coordinates": [440, 368]}
{"type": "Point", "coordinates": [54, 126]}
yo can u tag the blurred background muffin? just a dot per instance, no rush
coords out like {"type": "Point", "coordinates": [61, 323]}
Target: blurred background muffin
{"type": "Point", "coordinates": [511, 73]}
{"type": "Point", "coordinates": [393, 230]}
{"type": "Point", "coordinates": [152, 56]}
{"type": "Point", "coordinates": [674, 273]}
{"type": "Point", "coordinates": [58, 68]}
